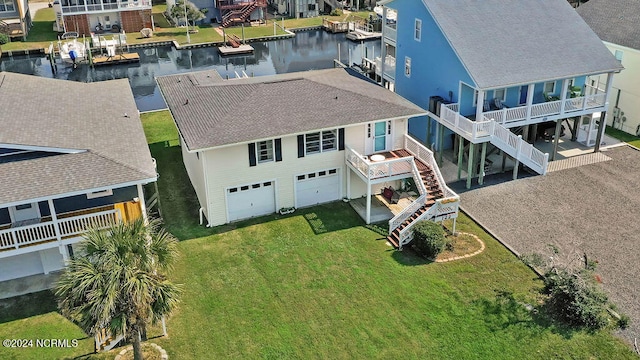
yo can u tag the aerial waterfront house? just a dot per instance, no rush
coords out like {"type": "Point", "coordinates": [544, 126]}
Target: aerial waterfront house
{"type": "Point", "coordinates": [486, 70]}
{"type": "Point", "coordinates": [72, 155]}
{"type": "Point", "coordinates": [255, 146]}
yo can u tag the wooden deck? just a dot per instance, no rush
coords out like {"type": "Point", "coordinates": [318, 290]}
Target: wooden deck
{"type": "Point", "coordinates": [125, 58]}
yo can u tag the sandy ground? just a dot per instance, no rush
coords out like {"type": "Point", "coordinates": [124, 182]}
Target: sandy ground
{"type": "Point", "coordinates": [592, 209]}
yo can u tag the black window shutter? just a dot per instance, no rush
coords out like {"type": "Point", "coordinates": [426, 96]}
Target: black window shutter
{"type": "Point", "coordinates": [252, 154]}
{"type": "Point", "coordinates": [278, 146]}
{"type": "Point", "coordinates": [300, 146]}
{"type": "Point", "coordinates": [341, 139]}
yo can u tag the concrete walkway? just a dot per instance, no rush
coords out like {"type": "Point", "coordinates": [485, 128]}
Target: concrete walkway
{"type": "Point", "coordinates": [591, 209]}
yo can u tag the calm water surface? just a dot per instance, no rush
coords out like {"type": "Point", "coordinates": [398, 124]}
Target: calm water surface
{"type": "Point", "coordinates": [307, 51]}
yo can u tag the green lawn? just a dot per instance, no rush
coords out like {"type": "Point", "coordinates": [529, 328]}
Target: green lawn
{"type": "Point", "coordinates": [41, 33]}
{"type": "Point", "coordinates": [623, 136]}
{"type": "Point", "coordinates": [320, 284]}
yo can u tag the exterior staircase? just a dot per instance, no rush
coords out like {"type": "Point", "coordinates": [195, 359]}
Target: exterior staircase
{"type": "Point", "coordinates": [436, 201]}
{"type": "Point", "coordinates": [433, 192]}
{"type": "Point", "coordinates": [239, 12]}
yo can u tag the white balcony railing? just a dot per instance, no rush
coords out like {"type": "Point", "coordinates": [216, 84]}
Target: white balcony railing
{"type": "Point", "coordinates": [374, 170]}
{"type": "Point", "coordinates": [389, 66]}
{"type": "Point", "coordinates": [390, 32]}
{"type": "Point", "coordinates": [497, 134]}
{"type": "Point", "coordinates": [77, 7]}
{"type": "Point", "coordinates": [516, 116]}
{"type": "Point", "coordinates": [14, 238]}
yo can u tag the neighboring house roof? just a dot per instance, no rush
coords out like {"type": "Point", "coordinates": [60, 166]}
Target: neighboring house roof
{"type": "Point", "coordinates": [212, 112]}
{"type": "Point", "coordinates": [615, 21]}
{"type": "Point", "coordinates": [83, 124]}
{"type": "Point", "coordinates": [511, 42]}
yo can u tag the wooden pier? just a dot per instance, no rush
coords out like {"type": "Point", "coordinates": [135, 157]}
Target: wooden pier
{"type": "Point", "coordinates": [125, 58]}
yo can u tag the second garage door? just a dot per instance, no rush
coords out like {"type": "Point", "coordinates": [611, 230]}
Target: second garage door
{"type": "Point", "coordinates": [251, 200]}
{"type": "Point", "coordinates": [317, 187]}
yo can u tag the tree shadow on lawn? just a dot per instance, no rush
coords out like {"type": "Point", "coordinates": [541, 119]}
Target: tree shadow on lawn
{"type": "Point", "coordinates": [408, 257]}
{"type": "Point", "coordinates": [179, 203]}
{"type": "Point", "coordinates": [25, 306]}
{"type": "Point", "coordinates": [504, 312]}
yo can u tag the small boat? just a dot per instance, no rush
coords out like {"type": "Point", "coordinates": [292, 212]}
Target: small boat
{"type": "Point", "coordinates": [72, 51]}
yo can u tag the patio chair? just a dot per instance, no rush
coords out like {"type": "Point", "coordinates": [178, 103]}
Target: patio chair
{"type": "Point", "coordinates": [497, 103]}
{"type": "Point", "coordinates": [486, 106]}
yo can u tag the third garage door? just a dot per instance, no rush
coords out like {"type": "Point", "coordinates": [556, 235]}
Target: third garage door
{"type": "Point", "coordinates": [317, 187]}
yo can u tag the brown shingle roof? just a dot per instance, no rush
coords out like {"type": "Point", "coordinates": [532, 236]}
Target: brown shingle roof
{"type": "Point", "coordinates": [47, 113]}
{"type": "Point", "coordinates": [211, 112]}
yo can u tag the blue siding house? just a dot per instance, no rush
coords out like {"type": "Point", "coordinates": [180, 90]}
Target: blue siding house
{"type": "Point", "coordinates": [488, 69]}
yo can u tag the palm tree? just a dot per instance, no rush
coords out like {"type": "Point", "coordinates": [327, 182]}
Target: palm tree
{"type": "Point", "coordinates": [119, 284]}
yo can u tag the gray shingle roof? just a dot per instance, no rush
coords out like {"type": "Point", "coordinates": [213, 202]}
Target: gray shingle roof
{"type": "Point", "coordinates": [615, 21]}
{"type": "Point", "coordinates": [511, 42]}
{"type": "Point", "coordinates": [210, 112]}
{"type": "Point", "coordinates": [40, 112]}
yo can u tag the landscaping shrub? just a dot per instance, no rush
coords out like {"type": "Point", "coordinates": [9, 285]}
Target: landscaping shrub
{"type": "Point", "coordinates": [574, 298]}
{"type": "Point", "coordinates": [4, 38]}
{"type": "Point", "coordinates": [429, 238]}
{"type": "Point", "coordinates": [336, 12]}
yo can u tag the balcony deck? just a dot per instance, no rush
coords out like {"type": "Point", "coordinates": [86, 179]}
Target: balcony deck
{"type": "Point", "coordinates": [68, 227]}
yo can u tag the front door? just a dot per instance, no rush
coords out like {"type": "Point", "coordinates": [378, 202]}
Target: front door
{"type": "Point", "coordinates": [380, 136]}
{"type": "Point", "coordinates": [24, 212]}
{"type": "Point", "coordinates": [523, 94]}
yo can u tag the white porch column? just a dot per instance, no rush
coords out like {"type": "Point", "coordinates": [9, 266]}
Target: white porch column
{"type": "Point", "coordinates": [383, 50]}
{"type": "Point", "coordinates": [368, 219]}
{"type": "Point", "coordinates": [563, 95]}
{"type": "Point", "coordinates": [56, 227]}
{"type": "Point", "coordinates": [348, 182]}
{"type": "Point", "coordinates": [603, 115]}
{"type": "Point", "coordinates": [480, 105]}
{"type": "Point", "coordinates": [530, 90]}
{"type": "Point", "coordinates": [54, 219]}
{"type": "Point", "coordinates": [143, 205]}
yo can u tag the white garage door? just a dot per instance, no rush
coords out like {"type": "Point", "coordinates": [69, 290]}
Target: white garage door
{"type": "Point", "coordinates": [317, 187]}
{"type": "Point", "coordinates": [18, 266]}
{"type": "Point", "coordinates": [251, 200]}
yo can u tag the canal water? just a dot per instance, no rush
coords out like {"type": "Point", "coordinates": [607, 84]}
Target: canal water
{"type": "Point", "coordinates": [308, 50]}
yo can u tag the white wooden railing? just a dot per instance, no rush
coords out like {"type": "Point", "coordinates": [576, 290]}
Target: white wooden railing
{"type": "Point", "coordinates": [389, 66]}
{"type": "Point", "coordinates": [510, 117]}
{"type": "Point", "coordinates": [373, 170]}
{"type": "Point", "coordinates": [476, 130]}
{"type": "Point", "coordinates": [425, 155]}
{"type": "Point", "coordinates": [14, 238]}
{"type": "Point", "coordinates": [105, 6]}
{"type": "Point", "coordinates": [390, 32]}
{"type": "Point", "coordinates": [443, 209]}
{"type": "Point", "coordinates": [497, 134]}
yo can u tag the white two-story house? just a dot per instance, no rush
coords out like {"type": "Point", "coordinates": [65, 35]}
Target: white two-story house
{"type": "Point", "coordinates": [256, 145]}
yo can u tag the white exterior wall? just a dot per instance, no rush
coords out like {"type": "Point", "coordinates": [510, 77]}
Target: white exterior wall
{"type": "Point", "coordinates": [628, 83]}
{"type": "Point", "coordinates": [229, 167]}
{"type": "Point", "coordinates": [193, 164]}
{"type": "Point", "coordinates": [51, 260]}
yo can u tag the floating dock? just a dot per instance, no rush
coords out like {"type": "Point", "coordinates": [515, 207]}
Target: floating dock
{"type": "Point", "coordinates": [241, 49]}
{"type": "Point", "coordinates": [361, 35]}
{"type": "Point", "coordinates": [125, 58]}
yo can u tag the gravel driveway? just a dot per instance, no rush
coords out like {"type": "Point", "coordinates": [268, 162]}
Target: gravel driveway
{"type": "Point", "coordinates": [592, 209]}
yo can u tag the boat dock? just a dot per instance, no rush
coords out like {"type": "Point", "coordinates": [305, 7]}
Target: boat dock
{"type": "Point", "coordinates": [124, 58]}
{"type": "Point", "coordinates": [362, 35]}
{"type": "Point", "coordinates": [334, 26]}
{"type": "Point", "coordinates": [240, 49]}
